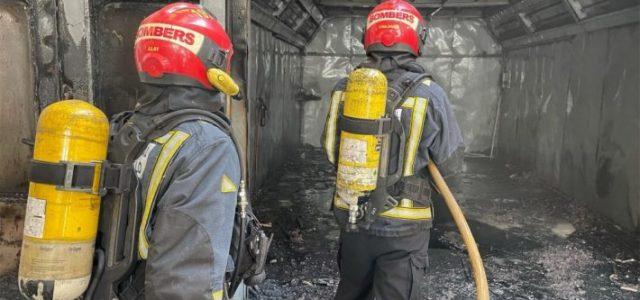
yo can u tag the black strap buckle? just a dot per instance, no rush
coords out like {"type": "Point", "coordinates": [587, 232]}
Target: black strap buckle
{"type": "Point", "coordinates": [70, 182]}
{"type": "Point", "coordinates": [67, 175]}
{"type": "Point", "coordinates": [416, 190]}
{"type": "Point", "coordinates": [95, 177]}
{"type": "Point", "coordinates": [115, 177]}
{"type": "Point", "coordinates": [367, 127]}
{"type": "Point", "coordinates": [218, 59]}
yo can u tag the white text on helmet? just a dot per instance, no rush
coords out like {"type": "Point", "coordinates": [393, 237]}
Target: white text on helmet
{"type": "Point", "coordinates": [393, 15]}
{"type": "Point", "coordinates": [181, 36]}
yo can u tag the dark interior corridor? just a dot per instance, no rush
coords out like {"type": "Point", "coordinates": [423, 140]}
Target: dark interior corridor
{"type": "Point", "coordinates": [546, 94]}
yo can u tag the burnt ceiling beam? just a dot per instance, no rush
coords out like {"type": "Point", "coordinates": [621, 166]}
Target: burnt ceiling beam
{"type": "Point", "coordinates": [416, 3]}
{"type": "Point", "coordinates": [614, 19]}
{"type": "Point", "coordinates": [313, 10]}
{"type": "Point", "coordinates": [264, 18]}
{"type": "Point", "coordinates": [575, 8]}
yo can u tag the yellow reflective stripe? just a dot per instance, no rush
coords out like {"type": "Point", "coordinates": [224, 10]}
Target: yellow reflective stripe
{"type": "Point", "coordinates": [217, 295]}
{"type": "Point", "coordinates": [227, 185]}
{"type": "Point", "coordinates": [330, 129]}
{"type": "Point", "coordinates": [171, 145]}
{"type": "Point", "coordinates": [409, 103]}
{"type": "Point", "coordinates": [404, 213]}
{"type": "Point", "coordinates": [418, 115]}
{"type": "Point", "coordinates": [163, 139]}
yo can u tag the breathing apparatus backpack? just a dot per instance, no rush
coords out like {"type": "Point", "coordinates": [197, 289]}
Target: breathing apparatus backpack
{"type": "Point", "coordinates": [365, 127]}
{"type": "Point", "coordinates": [116, 257]}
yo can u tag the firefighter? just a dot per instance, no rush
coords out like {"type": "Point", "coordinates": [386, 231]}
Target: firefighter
{"type": "Point", "coordinates": [189, 173]}
{"type": "Point", "coordinates": [388, 258]}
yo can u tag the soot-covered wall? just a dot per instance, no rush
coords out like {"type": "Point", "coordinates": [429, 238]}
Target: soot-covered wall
{"type": "Point", "coordinates": [17, 98]}
{"type": "Point", "coordinates": [275, 78]}
{"type": "Point", "coordinates": [571, 112]}
{"type": "Point", "coordinates": [118, 86]}
{"type": "Point", "coordinates": [460, 54]}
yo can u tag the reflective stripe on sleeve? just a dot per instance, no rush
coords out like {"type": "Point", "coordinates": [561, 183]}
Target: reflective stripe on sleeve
{"type": "Point", "coordinates": [172, 142]}
{"type": "Point", "coordinates": [330, 127]}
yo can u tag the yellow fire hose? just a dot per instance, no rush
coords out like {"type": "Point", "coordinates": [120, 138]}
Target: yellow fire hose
{"type": "Point", "coordinates": [477, 267]}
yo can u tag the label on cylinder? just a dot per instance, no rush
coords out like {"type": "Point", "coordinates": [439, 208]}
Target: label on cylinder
{"type": "Point", "coordinates": [353, 150]}
{"type": "Point", "coordinates": [35, 217]}
{"type": "Point", "coordinates": [55, 260]}
{"type": "Point", "coordinates": [54, 289]}
{"type": "Point", "coordinates": [358, 162]}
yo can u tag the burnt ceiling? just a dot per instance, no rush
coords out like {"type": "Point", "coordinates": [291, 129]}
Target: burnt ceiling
{"type": "Point", "coordinates": [296, 21]}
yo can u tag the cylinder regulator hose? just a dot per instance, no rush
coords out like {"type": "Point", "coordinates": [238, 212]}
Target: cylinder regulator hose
{"type": "Point", "coordinates": [477, 267]}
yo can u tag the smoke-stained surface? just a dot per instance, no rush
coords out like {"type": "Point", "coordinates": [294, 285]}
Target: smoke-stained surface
{"type": "Point", "coordinates": [571, 111]}
{"type": "Point", "coordinates": [17, 98]}
{"type": "Point", "coordinates": [275, 79]}
{"type": "Point", "coordinates": [460, 54]}
{"type": "Point", "coordinates": [118, 85]}
{"type": "Point", "coordinates": [536, 244]}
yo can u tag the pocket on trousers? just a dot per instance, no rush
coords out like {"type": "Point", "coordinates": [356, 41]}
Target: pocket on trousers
{"type": "Point", "coordinates": [419, 265]}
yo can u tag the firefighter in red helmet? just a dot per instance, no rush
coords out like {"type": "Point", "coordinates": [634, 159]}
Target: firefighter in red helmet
{"type": "Point", "coordinates": [175, 204]}
{"type": "Point", "coordinates": [387, 259]}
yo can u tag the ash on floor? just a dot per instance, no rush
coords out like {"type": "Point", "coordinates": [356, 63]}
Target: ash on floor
{"type": "Point", "coordinates": [536, 243]}
{"type": "Point", "coordinates": [302, 260]}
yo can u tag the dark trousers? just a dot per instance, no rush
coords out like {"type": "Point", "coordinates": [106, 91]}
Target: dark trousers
{"type": "Point", "coordinates": [382, 268]}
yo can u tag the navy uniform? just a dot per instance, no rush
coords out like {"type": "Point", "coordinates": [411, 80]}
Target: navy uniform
{"type": "Point", "coordinates": [188, 185]}
{"type": "Point", "coordinates": [186, 169]}
{"type": "Point", "coordinates": [387, 260]}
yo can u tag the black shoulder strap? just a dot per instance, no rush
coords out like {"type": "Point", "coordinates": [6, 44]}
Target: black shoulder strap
{"type": "Point", "coordinates": [119, 215]}
{"type": "Point", "coordinates": [118, 120]}
{"type": "Point", "coordinates": [132, 135]}
{"type": "Point", "coordinates": [398, 89]}
{"type": "Point", "coordinates": [164, 123]}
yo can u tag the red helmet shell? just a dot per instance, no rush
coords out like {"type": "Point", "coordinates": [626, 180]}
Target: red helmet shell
{"type": "Point", "coordinates": [177, 44]}
{"type": "Point", "coordinates": [395, 26]}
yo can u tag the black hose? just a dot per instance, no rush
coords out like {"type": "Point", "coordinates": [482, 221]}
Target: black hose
{"type": "Point", "coordinates": [97, 274]}
{"type": "Point", "coordinates": [240, 257]}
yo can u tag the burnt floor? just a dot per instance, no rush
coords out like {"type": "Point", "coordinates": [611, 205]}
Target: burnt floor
{"type": "Point", "coordinates": [536, 244]}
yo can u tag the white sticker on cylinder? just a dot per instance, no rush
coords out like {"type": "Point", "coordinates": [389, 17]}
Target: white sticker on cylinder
{"type": "Point", "coordinates": [349, 176]}
{"type": "Point", "coordinates": [353, 150]}
{"type": "Point", "coordinates": [70, 288]}
{"type": "Point", "coordinates": [35, 217]}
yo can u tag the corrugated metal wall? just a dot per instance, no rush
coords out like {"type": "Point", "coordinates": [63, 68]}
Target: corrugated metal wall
{"type": "Point", "coordinates": [460, 54]}
{"type": "Point", "coordinates": [571, 112]}
{"type": "Point", "coordinates": [275, 79]}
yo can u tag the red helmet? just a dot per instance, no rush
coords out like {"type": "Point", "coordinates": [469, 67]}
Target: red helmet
{"type": "Point", "coordinates": [395, 26]}
{"type": "Point", "coordinates": [178, 44]}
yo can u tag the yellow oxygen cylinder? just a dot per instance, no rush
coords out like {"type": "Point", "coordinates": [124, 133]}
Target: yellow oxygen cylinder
{"type": "Point", "coordinates": [365, 98]}
{"type": "Point", "coordinates": [60, 222]}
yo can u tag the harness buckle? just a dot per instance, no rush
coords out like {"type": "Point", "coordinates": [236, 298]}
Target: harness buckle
{"type": "Point", "coordinates": [70, 176]}
{"type": "Point", "coordinates": [115, 177]}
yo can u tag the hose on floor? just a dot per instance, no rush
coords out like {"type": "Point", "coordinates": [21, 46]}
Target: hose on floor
{"type": "Point", "coordinates": [477, 267]}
